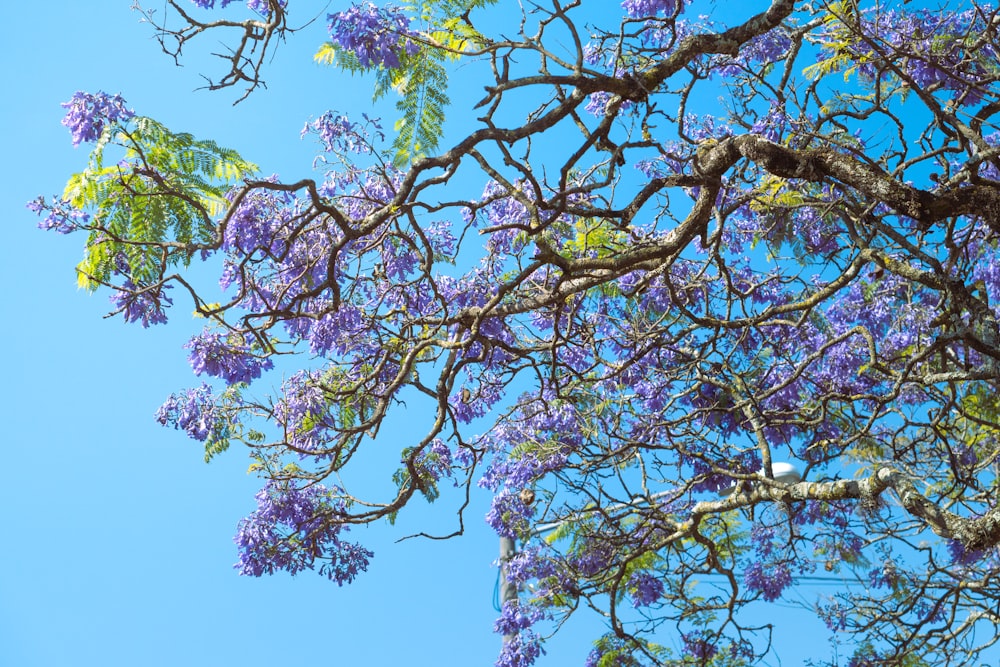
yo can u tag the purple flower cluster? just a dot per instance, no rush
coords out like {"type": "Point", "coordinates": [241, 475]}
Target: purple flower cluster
{"type": "Point", "coordinates": [338, 134]}
{"type": "Point", "coordinates": [760, 52]}
{"type": "Point", "coordinates": [378, 37]}
{"type": "Point", "coordinates": [592, 556]}
{"type": "Point", "coordinates": [304, 412]}
{"type": "Point", "coordinates": [597, 103]}
{"type": "Point", "coordinates": [824, 512]}
{"type": "Point", "coordinates": [539, 436]}
{"type": "Point", "coordinates": [509, 515]}
{"type": "Point", "coordinates": [939, 49]}
{"type": "Point", "coordinates": [520, 469]}
{"type": "Point", "coordinates": [435, 461]}
{"type": "Point", "coordinates": [833, 614]}
{"type": "Point", "coordinates": [529, 563]}
{"type": "Point", "coordinates": [60, 215]}
{"type": "Point", "coordinates": [227, 356]}
{"type": "Point", "coordinates": [769, 579]}
{"type": "Point", "coordinates": [263, 6]}
{"type": "Point", "coordinates": [762, 537]}
{"type": "Point", "coordinates": [645, 588]}
{"type": "Point", "coordinates": [645, 8]}
{"type": "Point", "coordinates": [260, 6]}
{"type": "Point", "coordinates": [885, 575]}
{"type": "Point", "coordinates": [293, 529]}
{"type": "Point", "coordinates": [890, 308]}
{"type": "Point", "coordinates": [867, 657]}
{"type": "Point", "coordinates": [474, 400]}
{"type": "Point", "coordinates": [960, 555]}
{"type": "Point", "coordinates": [521, 650]}
{"type": "Point", "coordinates": [517, 616]}
{"type": "Point", "coordinates": [702, 645]}
{"type": "Point", "coordinates": [610, 651]}
{"type": "Point", "coordinates": [141, 305]}
{"type": "Point", "coordinates": [259, 223]}
{"type": "Point", "coordinates": [88, 114]}
{"type": "Point", "coordinates": [337, 331]}
{"type": "Point", "coordinates": [195, 412]}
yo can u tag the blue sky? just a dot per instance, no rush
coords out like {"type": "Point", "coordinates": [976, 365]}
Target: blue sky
{"type": "Point", "coordinates": [117, 542]}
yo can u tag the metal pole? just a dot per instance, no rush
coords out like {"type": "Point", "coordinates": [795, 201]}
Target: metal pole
{"type": "Point", "coordinates": [508, 591]}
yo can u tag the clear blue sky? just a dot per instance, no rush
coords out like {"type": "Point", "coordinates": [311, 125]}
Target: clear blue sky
{"type": "Point", "coordinates": [116, 546]}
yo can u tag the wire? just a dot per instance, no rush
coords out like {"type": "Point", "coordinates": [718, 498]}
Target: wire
{"type": "Point", "coordinates": [496, 593]}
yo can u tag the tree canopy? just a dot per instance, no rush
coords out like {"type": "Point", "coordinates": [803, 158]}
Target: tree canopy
{"type": "Point", "coordinates": [702, 296]}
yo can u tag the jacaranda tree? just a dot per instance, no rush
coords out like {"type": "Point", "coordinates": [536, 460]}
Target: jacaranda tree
{"type": "Point", "coordinates": [703, 297]}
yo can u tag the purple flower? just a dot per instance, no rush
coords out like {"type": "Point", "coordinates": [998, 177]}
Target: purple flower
{"type": "Point", "coordinates": [962, 556]}
{"type": "Point", "coordinates": [338, 134]}
{"type": "Point", "coordinates": [760, 51]}
{"type": "Point", "coordinates": [469, 404]}
{"type": "Point", "coordinates": [834, 615]}
{"type": "Point", "coordinates": [293, 529]}
{"type": "Point", "coordinates": [509, 515]}
{"type": "Point", "coordinates": [141, 305]}
{"type": "Point", "coordinates": [339, 330]}
{"type": "Point", "coordinates": [195, 412]}
{"type": "Point", "coordinates": [866, 657]}
{"type": "Point", "coordinates": [210, 4]}
{"type": "Point", "coordinates": [377, 37]}
{"type": "Point", "coordinates": [304, 412]}
{"type": "Point", "coordinates": [769, 579]}
{"type": "Point", "coordinates": [529, 563]}
{"type": "Point", "coordinates": [700, 645]}
{"type": "Point", "coordinates": [263, 6]}
{"type": "Point", "coordinates": [521, 650]}
{"type": "Point", "coordinates": [62, 216]}
{"type": "Point", "coordinates": [260, 6]}
{"type": "Point", "coordinates": [88, 114]}
{"type": "Point", "coordinates": [762, 537]}
{"type": "Point", "coordinates": [225, 356]}
{"type": "Point", "coordinates": [435, 461]}
{"type": "Point", "coordinates": [258, 222]}
{"type": "Point", "coordinates": [644, 8]}
{"type": "Point", "coordinates": [597, 103]}
{"type": "Point", "coordinates": [645, 589]}
{"type": "Point", "coordinates": [884, 576]}
{"type": "Point", "coordinates": [592, 557]}
{"type": "Point", "coordinates": [610, 651]}
{"type": "Point", "coordinates": [516, 617]}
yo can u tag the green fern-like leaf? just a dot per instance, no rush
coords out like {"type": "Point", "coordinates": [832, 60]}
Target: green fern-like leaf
{"type": "Point", "coordinates": [421, 79]}
{"type": "Point", "coordinates": [422, 104]}
{"type": "Point", "coordinates": [840, 41]}
{"type": "Point", "coordinates": [150, 205]}
{"type": "Point", "coordinates": [327, 54]}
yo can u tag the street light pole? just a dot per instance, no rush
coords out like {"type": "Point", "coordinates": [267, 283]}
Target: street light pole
{"type": "Point", "coordinates": [508, 590]}
{"type": "Point", "coordinates": [783, 472]}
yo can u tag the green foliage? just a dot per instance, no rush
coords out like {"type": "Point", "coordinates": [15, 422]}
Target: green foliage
{"type": "Point", "coordinates": [840, 40]}
{"type": "Point", "coordinates": [421, 80]}
{"type": "Point", "coordinates": [154, 203]}
{"type": "Point", "coordinates": [422, 88]}
{"type": "Point", "coordinates": [328, 54]}
{"type": "Point", "coordinates": [426, 482]}
{"type": "Point", "coordinates": [226, 429]}
{"type": "Point", "coordinates": [978, 424]}
{"type": "Point", "coordinates": [614, 653]}
{"type": "Point", "coordinates": [592, 237]}
{"type": "Point", "coordinates": [448, 19]}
